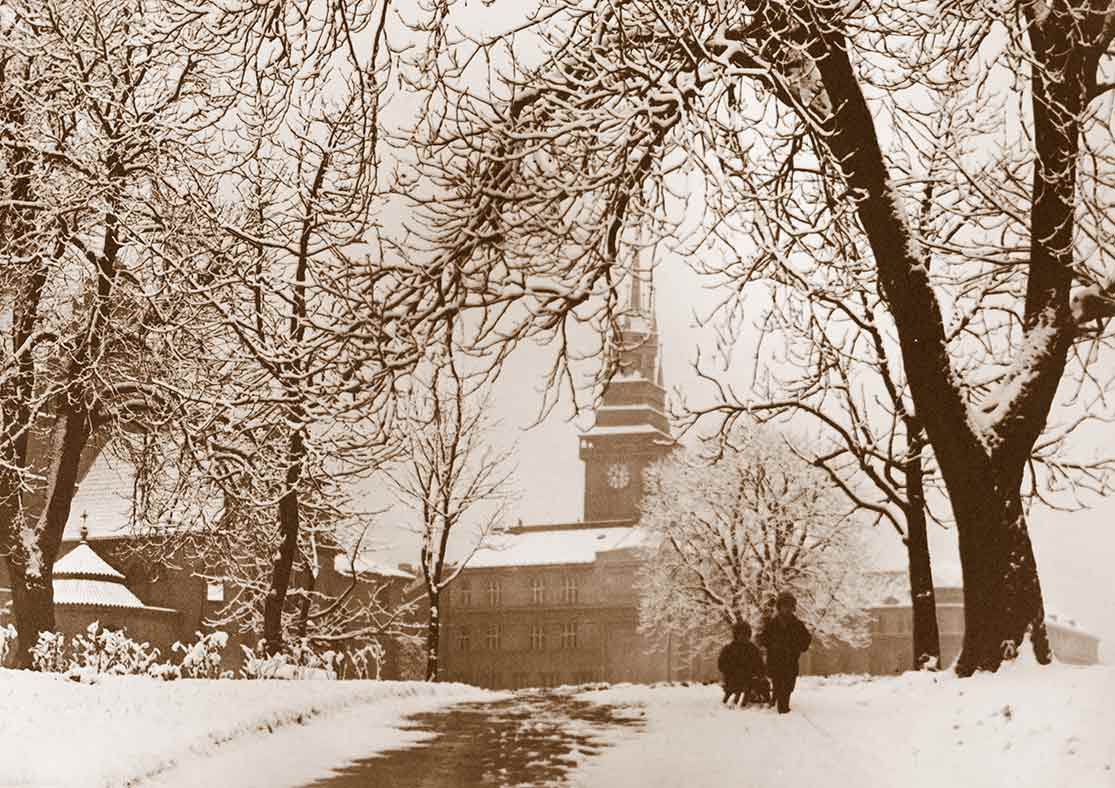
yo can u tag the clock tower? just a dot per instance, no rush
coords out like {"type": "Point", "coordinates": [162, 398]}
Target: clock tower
{"type": "Point", "coordinates": [631, 429]}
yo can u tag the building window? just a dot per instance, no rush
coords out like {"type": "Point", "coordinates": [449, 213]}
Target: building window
{"type": "Point", "coordinates": [569, 635]}
{"type": "Point", "coordinates": [494, 636]}
{"type": "Point", "coordinates": [537, 590]}
{"type": "Point", "coordinates": [495, 593]}
{"type": "Point", "coordinates": [537, 637]}
{"type": "Point", "coordinates": [462, 639]}
{"type": "Point", "coordinates": [464, 592]}
{"type": "Point", "coordinates": [569, 586]}
{"type": "Point", "coordinates": [215, 592]}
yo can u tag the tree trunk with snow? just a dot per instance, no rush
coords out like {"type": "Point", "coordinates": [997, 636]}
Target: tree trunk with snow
{"type": "Point", "coordinates": [433, 633]}
{"type": "Point", "coordinates": [1002, 593]}
{"type": "Point", "coordinates": [275, 600]}
{"type": "Point", "coordinates": [32, 557]}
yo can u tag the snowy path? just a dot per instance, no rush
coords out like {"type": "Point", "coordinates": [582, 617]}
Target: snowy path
{"type": "Point", "coordinates": [528, 739]}
{"type": "Point", "coordinates": [532, 738]}
{"type": "Point", "coordinates": [61, 734]}
{"type": "Point", "coordinates": [1027, 727]}
{"type": "Point", "coordinates": [691, 740]}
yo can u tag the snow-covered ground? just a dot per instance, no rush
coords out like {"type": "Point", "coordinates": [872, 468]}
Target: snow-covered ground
{"type": "Point", "coordinates": [1027, 727]}
{"type": "Point", "coordinates": [59, 733]}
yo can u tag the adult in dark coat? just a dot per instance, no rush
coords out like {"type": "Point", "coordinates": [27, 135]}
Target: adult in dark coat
{"type": "Point", "coordinates": [740, 663]}
{"type": "Point", "coordinates": [785, 638]}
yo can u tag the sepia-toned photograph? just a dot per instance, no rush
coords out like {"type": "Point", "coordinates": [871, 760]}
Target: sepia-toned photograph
{"type": "Point", "coordinates": [557, 393]}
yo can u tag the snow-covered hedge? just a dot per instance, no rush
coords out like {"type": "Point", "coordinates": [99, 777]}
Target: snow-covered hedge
{"type": "Point", "coordinates": [101, 651]}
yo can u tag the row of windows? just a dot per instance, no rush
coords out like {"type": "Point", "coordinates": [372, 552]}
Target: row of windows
{"type": "Point", "coordinates": [491, 637]}
{"type": "Point", "coordinates": [568, 592]}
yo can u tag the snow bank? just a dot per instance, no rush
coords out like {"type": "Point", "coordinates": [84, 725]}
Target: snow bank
{"type": "Point", "coordinates": [1026, 727]}
{"type": "Point", "coordinates": [59, 733]}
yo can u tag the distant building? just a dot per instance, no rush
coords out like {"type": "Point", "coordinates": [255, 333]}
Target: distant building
{"type": "Point", "coordinates": [101, 576]}
{"type": "Point", "coordinates": [556, 604]}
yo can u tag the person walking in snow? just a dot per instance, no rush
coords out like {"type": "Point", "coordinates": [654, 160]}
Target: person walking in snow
{"type": "Point", "coordinates": [784, 637]}
{"type": "Point", "coordinates": [741, 665]}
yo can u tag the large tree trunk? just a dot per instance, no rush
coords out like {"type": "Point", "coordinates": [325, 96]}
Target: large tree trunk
{"type": "Point", "coordinates": [1002, 593]}
{"type": "Point", "coordinates": [284, 558]}
{"type": "Point", "coordinates": [433, 632]}
{"type": "Point", "coordinates": [32, 565]}
{"type": "Point", "coordinates": [33, 606]}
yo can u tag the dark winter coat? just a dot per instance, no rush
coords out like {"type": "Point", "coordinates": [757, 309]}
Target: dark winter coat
{"type": "Point", "coordinates": [784, 639]}
{"type": "Point", "coordinates": [740, 663]}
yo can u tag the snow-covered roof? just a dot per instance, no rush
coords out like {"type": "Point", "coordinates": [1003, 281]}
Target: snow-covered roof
{"type": "Point", "coordinates": [627, 429]}
{"type": "Point", "coordinates": [646, 406]}
{"type": "Point", "coordinates": [540, 547]}
{"type": "Point", "coordinates": [104, 494]}
{"type": "Point", "coordinates": [82, 562]}
{"type": "Point", "coordinates": [892, 585]}
{"type": "Point", "coordinates": [1052, 617]}
{"type": "Point", "coordinates": [364, 566]}
{"type": "Point", "coordinates": [104, 593]}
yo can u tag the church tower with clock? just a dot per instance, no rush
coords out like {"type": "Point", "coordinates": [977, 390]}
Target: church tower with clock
{"type": "Point", "coordinates": [631, 429]}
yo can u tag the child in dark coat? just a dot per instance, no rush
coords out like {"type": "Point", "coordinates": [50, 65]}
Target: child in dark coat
{"type": "Point", "coordinates": [785, 638]}
{"type": "Point", "coordinates": [740, 664]}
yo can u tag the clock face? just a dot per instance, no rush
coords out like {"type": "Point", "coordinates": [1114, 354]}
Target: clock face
{"type": "Point", "coordinates": [618, 476]}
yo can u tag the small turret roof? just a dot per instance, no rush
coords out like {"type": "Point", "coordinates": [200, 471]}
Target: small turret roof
{"type": "Point", "coordinates": [82, 563]}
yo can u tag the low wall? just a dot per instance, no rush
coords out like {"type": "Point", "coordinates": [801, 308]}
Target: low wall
{"type": "Point", "coordinates": [154, 625]}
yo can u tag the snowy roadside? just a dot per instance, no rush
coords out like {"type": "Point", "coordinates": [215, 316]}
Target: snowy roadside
{"type": "Point", "coordinates": [1027, 727]}
{"type": "Point", "coordinates": [123, 729]}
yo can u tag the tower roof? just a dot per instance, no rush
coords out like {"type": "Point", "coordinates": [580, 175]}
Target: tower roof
{"type": "Point", "coordinates": [83, 563]}
{"type": "Point", "coordinates": [81, 577]}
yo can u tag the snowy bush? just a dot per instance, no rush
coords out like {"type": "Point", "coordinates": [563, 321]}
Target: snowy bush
{"type": "Point", "coordinates": [49, 653]}
{"type": "Point", "coordinates": [202, 658]}
{"type": "Point", "coordinates": [300, 662]}
{"type": "Point", "coordinates": [261, 667]}
{"type": "Point", "coordinates": [165, 671]}
{"type": "Point", "coordinates": [101, 651]}
{"type": "Point", "coordinates": [365, 662]}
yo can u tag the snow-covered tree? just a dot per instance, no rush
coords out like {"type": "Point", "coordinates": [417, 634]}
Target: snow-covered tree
{"type": "Point", "coordinates": [293, 401]}
{"type": "Point", "coordinates": [769, 132]}
{"type": "Point", "coordinates": [457, 484]}
{"type": "Point", "coordinates": [725, 536]}
{"type": "Point", "coordinates": [97, 105]}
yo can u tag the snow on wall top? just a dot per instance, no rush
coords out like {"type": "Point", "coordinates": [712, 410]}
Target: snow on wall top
{"type": "Point", "coordinates": [556, 546]}
{"type": "Point", "coordinates": [364, 566]}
